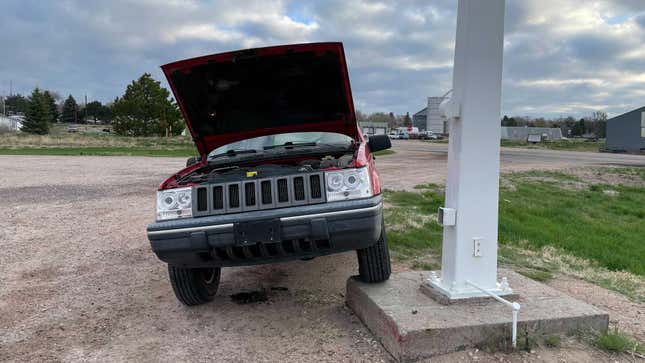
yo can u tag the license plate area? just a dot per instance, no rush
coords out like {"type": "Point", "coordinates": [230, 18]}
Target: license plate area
{"type": "Point", "coordinates": [248, 233]}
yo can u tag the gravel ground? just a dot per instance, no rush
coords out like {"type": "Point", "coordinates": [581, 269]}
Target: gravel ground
{"type": "Point", "coordinates": [79, 281]}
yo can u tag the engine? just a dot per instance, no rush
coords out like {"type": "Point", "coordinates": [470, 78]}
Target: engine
{"type": "Point", "coordinates": [235, 173]}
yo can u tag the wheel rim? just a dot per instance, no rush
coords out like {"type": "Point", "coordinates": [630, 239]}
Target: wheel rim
{"type": "Point", "coordinates": [209, 275]}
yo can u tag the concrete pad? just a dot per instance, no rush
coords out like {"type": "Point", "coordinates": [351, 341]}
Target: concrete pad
{"type": "Point", "coordinates": [411, 325]}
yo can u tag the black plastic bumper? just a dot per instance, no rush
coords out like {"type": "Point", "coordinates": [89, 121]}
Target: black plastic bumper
{"type": "Point", "coordinates": [267, 236]}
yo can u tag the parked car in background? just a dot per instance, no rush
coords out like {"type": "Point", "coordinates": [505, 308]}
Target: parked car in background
{"type": "Point", "coordinates": [429, 135]}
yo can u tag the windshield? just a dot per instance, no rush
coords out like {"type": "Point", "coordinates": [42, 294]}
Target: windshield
{"type": "Point", "coordinates": [292, 138]}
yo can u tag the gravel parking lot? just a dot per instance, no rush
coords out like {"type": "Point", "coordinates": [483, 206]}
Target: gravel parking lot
{"type": "Point", "coordinates": [79, 281]}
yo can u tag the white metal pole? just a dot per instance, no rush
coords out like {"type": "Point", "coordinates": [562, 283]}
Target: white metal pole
{"type": "Point", "coordinates": [469, 250]}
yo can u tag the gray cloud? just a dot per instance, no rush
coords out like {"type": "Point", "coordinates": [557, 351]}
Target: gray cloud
{"type": "Point", "coordinates": [561, 56]}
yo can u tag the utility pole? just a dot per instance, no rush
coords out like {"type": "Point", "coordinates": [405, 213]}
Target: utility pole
{"type": "Point", "coordinates": [470, 218]}
{"type": "Point", "coordinates": [85, 109]}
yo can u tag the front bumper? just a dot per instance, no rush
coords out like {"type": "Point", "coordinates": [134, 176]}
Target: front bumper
{"type": "Point", "coordinates": [267, 236]}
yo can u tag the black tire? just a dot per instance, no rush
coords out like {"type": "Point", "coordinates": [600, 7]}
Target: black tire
{"type": "Point", "coordinates": [374, 261]}
{"type": "Point", "coordinates": [194, 286]}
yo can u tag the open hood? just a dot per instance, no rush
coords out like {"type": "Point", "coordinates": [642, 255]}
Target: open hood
{"type": "Point", "coordinates": [238, 95]}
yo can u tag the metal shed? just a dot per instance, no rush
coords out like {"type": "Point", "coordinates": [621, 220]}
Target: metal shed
{"type": "Point", "coordinates": [373, 128]}
{"type": "Point", "coordinates": [626, 132]}
{"type": "Point", "coordinates": [521, 133]}
{"type": "Point", "coordinates": [420, 119]}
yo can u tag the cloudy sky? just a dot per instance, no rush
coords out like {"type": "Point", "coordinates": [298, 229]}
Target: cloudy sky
{"type": "Point", "coordinates": [561, 57]}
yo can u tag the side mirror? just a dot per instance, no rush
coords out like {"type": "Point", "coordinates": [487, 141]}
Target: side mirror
{"type": "Point", "coordinates": [192, 160]}
{"type": "Point", "coordinates": [379, 142]}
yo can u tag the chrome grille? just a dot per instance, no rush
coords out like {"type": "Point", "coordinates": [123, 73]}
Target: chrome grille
{"type": "Point", "coordinates": [254, 194]}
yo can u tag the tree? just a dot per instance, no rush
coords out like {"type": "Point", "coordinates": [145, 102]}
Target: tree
{"type": "Point", "coordinates": [146, 109]}
{"type": "Point", "coordinates": [407, 121]}
{"type": "Point", "coordinates": [16, 104]}
{"type": "Point", "coordinates": [567, 126]}
{"type": "Point", "coordinates": [70, 111]}
{"type": "Point", "coordinates": [51, 103]}
{"type": "Point", "coordinates": [512, 121]}
{"type": "Point", "coordinates": [93, 110]}
{"type": "Point", "coordinates": [38, 116]}
{"type": "Point", "coordinates": [599, 119]}
{"type": "Point", "coordinates": [578, 128]}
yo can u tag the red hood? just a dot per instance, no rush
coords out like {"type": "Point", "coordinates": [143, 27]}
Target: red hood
{"type": "Point", "coordinates": [233, 96]}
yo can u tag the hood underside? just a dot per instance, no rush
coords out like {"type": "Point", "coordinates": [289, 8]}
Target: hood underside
{"type": "Point", "coordinates": [237, 95]}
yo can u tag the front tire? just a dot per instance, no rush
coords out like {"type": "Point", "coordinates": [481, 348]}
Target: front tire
{"type": "Point", "coordinates": [194, 286]}
{"type": "Point", "coordinates": [374, 261]}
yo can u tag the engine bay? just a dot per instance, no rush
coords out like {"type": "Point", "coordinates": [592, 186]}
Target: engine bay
{"type": "Point", "coordinates": [231, 173]}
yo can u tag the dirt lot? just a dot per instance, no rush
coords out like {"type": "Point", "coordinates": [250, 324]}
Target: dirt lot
{"type": "Point", "coordinates": [79, 281]}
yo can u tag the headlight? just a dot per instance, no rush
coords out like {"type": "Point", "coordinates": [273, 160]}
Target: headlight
{"type": "Point", "coordinates": [348, 184]}
{"type": "Point", "coordinates": [174, 203]}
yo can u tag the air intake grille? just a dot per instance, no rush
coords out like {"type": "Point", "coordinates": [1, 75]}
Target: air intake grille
{"type": "Point", "coordinates": [249, 194]}
{"type": "Point", "coordinates": [253, 194]}
{"type": "Point", "coordinates": [202, 199]}
{"type": "Point", "coordinates": [265, 191]}
{"type": "Point", "coordinates": [283, 191]}
{"type": "Point", "coordinates": [234, 196]}
{"type": "Point", "coordinates": [299, 188]}
{"type": "Point", "coordinates": [314, 183]}
{"type": "Point", "coordinates": [218, 197]}
{"type": "Point", "coordinates": [269, 250]}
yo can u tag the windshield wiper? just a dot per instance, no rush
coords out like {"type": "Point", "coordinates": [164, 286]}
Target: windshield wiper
{"type": "Point", "coordinates": [232, 153]}
{"type": "Point", "coordinates": [290, 144]}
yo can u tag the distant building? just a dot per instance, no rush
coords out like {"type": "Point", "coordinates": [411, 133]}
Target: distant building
{"type": "Point", "coordinates": [626, 132]}
{"type": "Point", "coordinates": [373, 128]}
{"type": "Point", "coordinates": [430, 118]}
{"type": "Point", "coordinates": [435, 121]}
{"type": "Point", "coordinates": [13, 123]}
{"type": "Point", "coordinates": [533, 134]}
{"type": "Point", "coordinates": [419, 119]}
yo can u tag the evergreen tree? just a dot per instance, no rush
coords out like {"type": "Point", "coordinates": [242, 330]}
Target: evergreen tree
{"type": "Point", "coordinates": [146, 109]}
{"type": "Point", "coordinates": [51, 103]}
{"type": "Point", "coordinates": [16, 104]}
{"type": "Point", "coordinates": [38, 116]}
{"type": "Point", "coordinates": [512, 121]}
{"type": "Point", "coordinates": [578, 128]}
{"type": "Point", "coordinates": [98, 112]}
{"type": "Point", "coordinates": [70, 112]}
{"type": "Point", "coordinates": [407, 121]}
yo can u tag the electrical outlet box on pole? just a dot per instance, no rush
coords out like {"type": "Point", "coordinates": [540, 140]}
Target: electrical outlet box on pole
{"type": "Point", "coordinates": [470, 216]}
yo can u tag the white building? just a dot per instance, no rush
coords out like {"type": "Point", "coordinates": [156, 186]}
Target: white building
{"type": "Point", "coordinates": [436, 122]}
{"type": "Point", "coordinates": [522, 133]}
{"type": "Point", "coordinates": [13, 123]}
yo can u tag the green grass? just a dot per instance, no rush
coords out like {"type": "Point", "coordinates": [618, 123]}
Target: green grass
{"type": "Point", "coordinates": [584, 222]}
{"type": "Point", "coordinates": [384, 152]}
{"type": "Point", "coordinates": [553, 341]}
{"type": "Point", "coordinates": [99, 151]}
{"type": "Point", "coordinates": [61, 143]}
{"type": "Point", "coordinates": [571, 144]}
{"type": "Point", "coordinates": [412, 225]}
{"type": "Point", "coordinates": [94, 144]}
{"type": "Point", "coordinates": [550, 223]}
{"type": "Point", "coordinates": [618, 342]}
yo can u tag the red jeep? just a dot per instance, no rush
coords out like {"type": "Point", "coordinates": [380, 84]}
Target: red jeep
{"type": "Point", "coordinates": [284, 172]}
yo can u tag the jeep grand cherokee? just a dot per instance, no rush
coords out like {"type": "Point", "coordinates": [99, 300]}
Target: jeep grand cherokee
{"type": "Point", "coordinates": [283, 173]}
